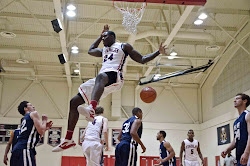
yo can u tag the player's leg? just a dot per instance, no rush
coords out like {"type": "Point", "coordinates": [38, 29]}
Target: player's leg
{"type": "Point", "coordinates": [86, 147]}
{"type": "Point", "coordinates": [101, 80]}
{"type": "Point", "coordinates": [134, 159]}
{"type": "Point", "coordinates": [123, 155]}
{"type": "Point", "coordinates": [96, 153]}
{"type": "Point", "coordinates": [72, 120]}
{"type": "Point", "coordinates": [187, 163]}
{"type": "Point", "coordinates": [103, 86]}
{"type": "Point", "coordinates": [102, 159]}
{"type": "Point", "coordinates": [16, 158]}
{"type": "Point", "coordinates": [196, 163]}
{"type": "Point", "coordinates": [31, 158]}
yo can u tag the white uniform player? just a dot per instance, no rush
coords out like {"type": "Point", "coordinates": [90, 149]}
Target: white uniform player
{"type": "Point", "coordinates": [114, 59]}
{"type": "Point", "coordinates": [109, 79]}
{"type": "Point", "coordinates": [191, 153]}
{"type": "Point", "coordinates": [91, 146]}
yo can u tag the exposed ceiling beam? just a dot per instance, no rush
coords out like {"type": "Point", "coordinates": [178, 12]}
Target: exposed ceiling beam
{"type": "Point", "coordinates": [62, 34]}
{"type": "Point", "coordinates": [115, 22]}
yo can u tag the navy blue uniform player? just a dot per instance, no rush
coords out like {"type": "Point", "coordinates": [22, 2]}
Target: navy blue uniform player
{"type": "Point", "coordinates": [23, 153]}
{"type": "Point", "coordinates": [12, 142]}
{"type": "Point", "coordinates": [166, 151]}
{"type": "Point", "coordinates": [241, 131]}
{"type": "Point", "coordinates": [129, 137]}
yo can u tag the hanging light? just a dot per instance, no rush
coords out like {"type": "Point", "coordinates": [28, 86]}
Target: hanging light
{"type": "Point", "coordinates": [198, 22]}
{"type": "Point", "coordinates": [74, 47]}
{"type": "Point", "coordinates": [71, 13]}
{"type": "Point", "coordinates": [171, 57]}
{"type": "Point", "coordinates": [172, 53]}
{"type": "Point", "coordinates": [75, 51]}
{"type": "Point", "coordinates": [76, 71]}
{"type": "Point", "coordinates": [71, 7]}
{"type": "Point", "coordinates": [202, 16]}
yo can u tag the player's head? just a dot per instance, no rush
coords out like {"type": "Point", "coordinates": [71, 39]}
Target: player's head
{"type": "Point", "coordinates": [25, 107]}
{"type": "Point", "coordinates": [241, 100]}
{"type": "Point", "coordinates": [190, 134]}
{"type": "Point", "coordinates": [161, 134]}
{"type": "Point", "coordinates": [108, 38]}
{"type": "Point", "coordinates": [138, 112]}
{"type": "Point", "coordinates": [99, 110]}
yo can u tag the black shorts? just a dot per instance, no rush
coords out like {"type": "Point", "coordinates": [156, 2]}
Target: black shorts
{"type": "Point", "coordinates": [112, 75]}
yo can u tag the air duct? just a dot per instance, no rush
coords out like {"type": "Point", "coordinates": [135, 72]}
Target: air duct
{"type": "Point", "coordinates": [162, 33]}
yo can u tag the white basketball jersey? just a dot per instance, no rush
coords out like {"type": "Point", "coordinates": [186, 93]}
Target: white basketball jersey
{"type": "Point", "coordinates": [191, 153]}
{"type": "Point", "coordinates": [113, 58]}
{"type": "Point", "coordinates": [94, 130]}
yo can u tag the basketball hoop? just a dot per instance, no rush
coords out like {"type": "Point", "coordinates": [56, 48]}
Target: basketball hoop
{"type": "Point", "coordinates": [131, 14]}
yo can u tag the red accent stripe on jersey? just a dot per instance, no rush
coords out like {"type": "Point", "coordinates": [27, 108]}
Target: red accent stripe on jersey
{"type": "Point", "coordinates": [85, 95]}
{"type": "Point", "coordinates": [121, 62]}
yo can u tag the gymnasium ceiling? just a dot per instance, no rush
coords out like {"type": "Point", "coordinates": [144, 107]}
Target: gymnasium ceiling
{"type": "Point", "coordinates": [37, 43]}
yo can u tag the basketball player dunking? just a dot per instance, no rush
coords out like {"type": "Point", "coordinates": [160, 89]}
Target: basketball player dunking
{"type": "Point", "coordinates": [192, 149]}
{"type": "Point", "coordinates": [91, 146]}
{"type": "Point", "coordinates": [109, 79]}
{"type": "Point", "coordinates": [241, 139]}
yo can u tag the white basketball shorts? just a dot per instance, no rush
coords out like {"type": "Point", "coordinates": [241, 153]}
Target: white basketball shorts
{"type": "Point", "coordinates": [92, 150]}
{"type": "Point", "coordinates": [86, 88]}
{"type": "Point", "coordinates": [191, 163]}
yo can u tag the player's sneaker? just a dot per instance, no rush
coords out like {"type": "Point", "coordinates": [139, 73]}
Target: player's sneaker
{"type": "Point", "coordinates": [88, 112]}
{"type": "Point", "coordinates": [65, 144]}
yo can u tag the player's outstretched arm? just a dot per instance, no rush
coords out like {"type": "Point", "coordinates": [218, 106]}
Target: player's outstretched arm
{"type": "Point", "coordinates": [41, 127]}
{"type": "Point", "coordinates": [136, 56]}
{"type": "Point", "coordinates": [245, 155]}
{"type": "Point", "coordinates": [94, 50]}
{"type": "Point", "coordinates": [133, 132]}
{"type": "Point", "coordinates": [105, 132]}
{"type": "Point", "coordinates": [181, 152]}
{"type": "Point", "coordinates": [200, 154]}
{"type": "Point", "coordinates": [231, 147]}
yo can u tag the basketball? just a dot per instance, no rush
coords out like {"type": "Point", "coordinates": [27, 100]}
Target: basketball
{"type": "Point", "coordinates": [148, 94]}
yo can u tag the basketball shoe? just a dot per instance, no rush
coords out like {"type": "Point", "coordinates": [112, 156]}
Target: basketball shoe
{"type": "Point", "coordinates": [65, 144]}
{"type": "Point", "coordinates": [88, 112]}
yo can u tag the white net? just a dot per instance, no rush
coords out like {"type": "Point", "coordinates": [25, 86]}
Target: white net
{"type": "Point", "coordinates": [131, 15]}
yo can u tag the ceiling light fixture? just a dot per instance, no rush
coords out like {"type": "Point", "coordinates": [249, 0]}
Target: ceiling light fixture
{"type": "Point", "coordinates": [74, 47]}
{"type": "Point", "coordinates": [173, 53]}
{"type": "Point", "coordinates": [202, 16]}
{"type": "Point", "coordinates": [171, 57]}
{"type": "Point", "coordinates": [198, 22]}
{"type": "Point", "coordinates": [76, 71]}
{"type": "Point", "coordinates": [75, 51]}
{"type": "Point", "coordinates": [71, 7]}
{"type": "Point", "coordinates": [71, 13]}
